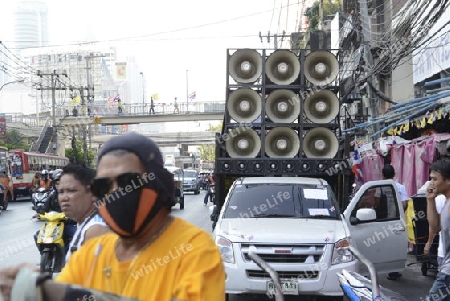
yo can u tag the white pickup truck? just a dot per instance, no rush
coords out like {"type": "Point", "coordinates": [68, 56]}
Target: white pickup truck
{"type": "Point", "coordinates": [296, 226]}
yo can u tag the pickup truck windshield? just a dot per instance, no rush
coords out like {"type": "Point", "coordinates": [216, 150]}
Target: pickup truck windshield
{"type": "Point", "coordinates": [190, 174]}
{"type": "Point", "coordinates": [281, 201]}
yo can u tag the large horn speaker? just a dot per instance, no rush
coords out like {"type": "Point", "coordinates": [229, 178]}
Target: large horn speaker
{"type": "Point", "coordinates": [282, 142]}
{"type": "Point", "coordinates": [283, 106]}
{"type": "Point", "coordinates": [245, 66]}
{"type": "Point", "coordinates": [243, 142]}
{"type": "Point", "coordinates": [282, 67]}
{"type": "Point", "coordinates": [320, 143]}
{"type": "Point", "coordinates": [321, 106]}
{"type": "Point", "coordinates": [321, 68]}
{"type": "Point", "coordinates": [244, 105]}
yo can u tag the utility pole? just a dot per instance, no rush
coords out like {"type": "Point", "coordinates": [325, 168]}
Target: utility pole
{"type": "Point", "coordinates": [321, 15]}
{"type": "Point", "coordinates": [187, 92]}
{"type": "Point", "coordinates": [275, 38]}
{"type": "Point", "coordinates": [369, 62]}
{"type": "Point", "coordinates": [83, 127]}
{"type": "Point", "coordinates": [53, 88]}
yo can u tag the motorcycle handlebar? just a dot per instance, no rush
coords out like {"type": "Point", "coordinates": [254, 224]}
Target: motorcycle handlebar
{"type": "Point", "coordinates": [273, 274]}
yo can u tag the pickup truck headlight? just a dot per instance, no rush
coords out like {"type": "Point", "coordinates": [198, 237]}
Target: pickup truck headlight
{"type": "Point", "coordinates": [341, 253]}
{"type": "Point", "coordinates": [226, 249]}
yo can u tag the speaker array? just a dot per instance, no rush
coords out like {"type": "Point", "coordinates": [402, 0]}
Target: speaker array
{"type": "Point", "coordinates": [281, 107]}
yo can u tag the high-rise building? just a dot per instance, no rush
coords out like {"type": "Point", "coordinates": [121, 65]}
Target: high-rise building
{"type": "Point", "coordinates": [30, 24]}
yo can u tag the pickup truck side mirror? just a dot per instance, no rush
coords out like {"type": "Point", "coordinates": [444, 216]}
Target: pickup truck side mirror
{"type": "Point", "coordinates": [364, 215]}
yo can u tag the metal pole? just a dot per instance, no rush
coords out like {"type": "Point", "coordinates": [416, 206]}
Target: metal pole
{"type": "Point", "coordinates": [187, 92]}
{"type": "Point", "coordinates": [369, 62]}
{"type": "Point", "coordinates": [143, 94]}
{"type": "Point", "coordinates": [53, 98]}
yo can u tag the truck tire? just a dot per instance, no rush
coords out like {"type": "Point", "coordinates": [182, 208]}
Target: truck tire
{"type": "Point", "coordinates": [182, 203]}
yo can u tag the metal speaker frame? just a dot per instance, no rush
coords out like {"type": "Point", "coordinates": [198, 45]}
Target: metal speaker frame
{"type": "Point", "coordinates": [282, 142]}
{"type": "Point", "coordinates": [282, 106]}
{"type": "Point", "coordinates": [244, 105]}
{"type": "Point", "coordinates": [282, 67]}
{"type": "Point", "coordinates": [244, 144]}
{"type": "Point", "coordinates": [245, 66]}
{"type": "Point", "coordinates": [321, 106]}
{"type": "Point", "coordinates": [320, 143]}
{"type": "Point", "coordinates": [321, 67]}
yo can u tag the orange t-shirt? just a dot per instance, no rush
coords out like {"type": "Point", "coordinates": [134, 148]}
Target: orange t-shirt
{"type": "Point", "coordinates": [42, 184]}
{"type": "Point", "coordinates": [183, 264]}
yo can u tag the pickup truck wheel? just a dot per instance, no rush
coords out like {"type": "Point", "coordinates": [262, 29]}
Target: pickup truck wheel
{"type": "Point", "coordinates": [182, 203]}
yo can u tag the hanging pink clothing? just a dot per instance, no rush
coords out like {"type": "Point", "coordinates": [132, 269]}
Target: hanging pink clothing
{"type": "Point", "coordinates": [371, 166]}
{"type": "Point", "coordinates": [426, 154]}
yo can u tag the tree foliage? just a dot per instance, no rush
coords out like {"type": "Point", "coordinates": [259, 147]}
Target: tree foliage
{"type": "Point", "coordinates": [15, 140]}
{"type": "Point", "coordinates": [208, 151]}
{"type": "Point", "coordinates": [313, 12]}
{"type": "Point", "coordinates": [76, 155]}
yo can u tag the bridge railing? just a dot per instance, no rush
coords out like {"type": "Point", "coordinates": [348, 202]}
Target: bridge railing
{"type": "Point", "coordinates": [105, 109]}
{"type": "Point", "coordinates": [141, 109]}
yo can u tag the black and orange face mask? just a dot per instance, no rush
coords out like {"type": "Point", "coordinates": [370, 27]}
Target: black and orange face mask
{"type": "Point", "coordinates": [129, 213]}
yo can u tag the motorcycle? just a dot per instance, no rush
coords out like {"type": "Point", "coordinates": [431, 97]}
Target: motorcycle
{"type": "Point", "coordinates": [44, 200]}
{"type": "Point", "coordinates": [358, 287]}
{"type": "Point", "coordinates": [50, 242]}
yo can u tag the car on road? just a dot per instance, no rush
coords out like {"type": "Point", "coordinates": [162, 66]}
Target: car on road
{"type": "Point", "coordinates": [178, 179]}
{"type": "Point", "coordinates": [191, 181]}
{"type": "Point", "coordinates": [296, 225]}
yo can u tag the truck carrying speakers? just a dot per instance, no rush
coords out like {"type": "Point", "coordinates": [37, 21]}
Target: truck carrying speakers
{"type": "Point", "coordinates": [282, 114]}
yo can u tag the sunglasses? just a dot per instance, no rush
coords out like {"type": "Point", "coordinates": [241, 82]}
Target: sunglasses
{"type": "Point", "coordinates": [103, 186]}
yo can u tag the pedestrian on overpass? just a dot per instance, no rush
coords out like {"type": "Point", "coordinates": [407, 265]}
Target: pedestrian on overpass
{"type": "Point", "coordinates": [152, 106]}
{"type": "Point", "coordinates": [175, 106]}
{"type": "Point", "coordinates": [119, 106]}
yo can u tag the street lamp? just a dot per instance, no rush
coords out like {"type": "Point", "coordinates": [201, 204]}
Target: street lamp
{"type": "Point", "coordinates": [13, 82]}
{"type": "Point", "coordinates": [143, 93]}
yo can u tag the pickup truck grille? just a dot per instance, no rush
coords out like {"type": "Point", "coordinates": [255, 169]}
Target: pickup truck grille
{"type": "Point", "coordinates": [307, 254]}
{"type": "Point", "coordinates": [283, 275]}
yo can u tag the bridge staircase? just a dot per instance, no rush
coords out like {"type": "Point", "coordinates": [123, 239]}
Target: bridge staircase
{"type": "Point", "coordinates": [45, 137]}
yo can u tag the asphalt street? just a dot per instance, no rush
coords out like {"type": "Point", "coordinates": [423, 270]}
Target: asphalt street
{"type": "Point", "coordinates": [17, 246]}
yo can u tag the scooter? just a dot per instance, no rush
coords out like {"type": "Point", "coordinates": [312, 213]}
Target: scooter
{"type": "Point", "coordinates": [42, 200]}
{"type": "Point", "coordinates": [359, 288]}
{"type": "Point", "coordinates": [50, 242]}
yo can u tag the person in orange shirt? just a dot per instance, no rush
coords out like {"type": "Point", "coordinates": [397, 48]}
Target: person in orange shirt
{"type": "Point", "coordinates": [35, 181]}
{"type": "Point", "coordinates": [45, 181]}
{"type": "Point", "coordinates": [152, 256]}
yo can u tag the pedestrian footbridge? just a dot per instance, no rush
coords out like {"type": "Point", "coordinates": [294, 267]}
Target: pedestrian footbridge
{"type": "Point", "coordinates": [170, 139]}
